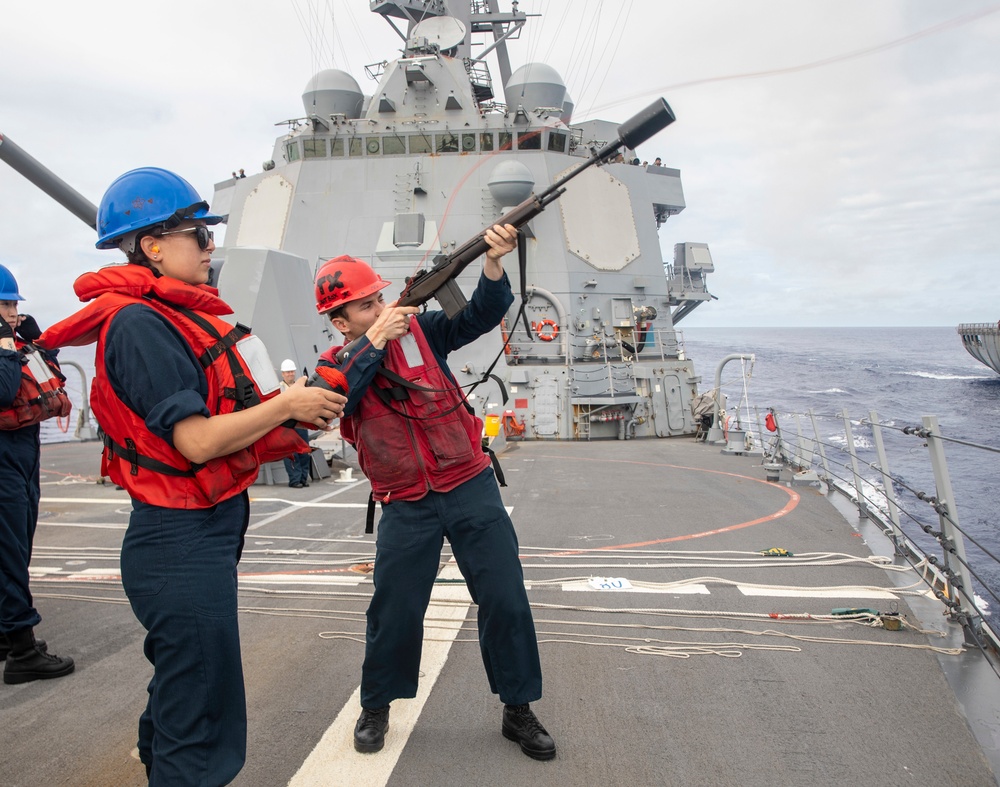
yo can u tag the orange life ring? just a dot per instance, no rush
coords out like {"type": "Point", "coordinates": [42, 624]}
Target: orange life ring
{"type": "Point", "coordinates": [547, 337]}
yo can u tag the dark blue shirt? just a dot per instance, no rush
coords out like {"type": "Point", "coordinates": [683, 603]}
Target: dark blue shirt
{"type": "Point", "coordinates": [10, 377]}
{"type": "Point", "coordinates": [153, 370]}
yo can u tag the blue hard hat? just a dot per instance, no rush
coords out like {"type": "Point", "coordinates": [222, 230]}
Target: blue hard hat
{"type": "Point", "coordinates": [146, 197]}
{"type": "Point", "coordinates": [8, 286]}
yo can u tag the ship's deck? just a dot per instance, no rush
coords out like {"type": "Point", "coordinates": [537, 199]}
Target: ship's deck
{"type": "Point", "coordinates": [657, 685]}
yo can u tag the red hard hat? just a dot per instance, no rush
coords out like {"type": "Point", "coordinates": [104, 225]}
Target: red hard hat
{"type": "Point", "coordinates": [345, 279]}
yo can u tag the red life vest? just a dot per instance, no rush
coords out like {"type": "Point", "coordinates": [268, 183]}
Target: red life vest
{"type": "Point", "coordinates": [41, 394]}
{"type": "Point", "coordinates": [148, 467]}
{"type": "Point", "coordinates": [408, 448]}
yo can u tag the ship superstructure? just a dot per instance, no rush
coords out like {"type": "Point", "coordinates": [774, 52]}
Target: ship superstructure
{"type": "Point", "coordinates": [430, 157]}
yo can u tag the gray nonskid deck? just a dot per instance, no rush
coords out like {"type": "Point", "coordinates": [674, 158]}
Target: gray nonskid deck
{"type": "Point", "coordinates": [797, 713]}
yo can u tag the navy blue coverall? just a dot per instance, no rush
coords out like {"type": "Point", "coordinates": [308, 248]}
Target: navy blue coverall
{"type": "Point", "coordinates": [19, 493]}
{"type": "Point", "coordinates": [411, 535]}
{"type": "Point", "coordinates": [179, 573]}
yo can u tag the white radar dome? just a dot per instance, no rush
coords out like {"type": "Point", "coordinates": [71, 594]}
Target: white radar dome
{"type": "Point", "coordinates": [535, 85]}
{"type": "Point", "coordinates": [333, 92]}
{"type": "Point", "coordinates": [511, 183]}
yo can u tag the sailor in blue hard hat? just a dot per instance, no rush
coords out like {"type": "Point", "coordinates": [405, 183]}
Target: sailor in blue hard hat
{"type": "Point", "coordinates": [190, 408]}
{"type": "Point", "coordinates": [150, 201]}
{"type": "Point", "coordinates": [21, 411]}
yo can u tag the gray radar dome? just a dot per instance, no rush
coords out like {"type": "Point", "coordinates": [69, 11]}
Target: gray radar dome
{"type": "Point", "coordinates": [511, 183]}
{"type": "Point", "coordinates": [535, 85]}
{"type": "Point", "coordinates": [333, 92]}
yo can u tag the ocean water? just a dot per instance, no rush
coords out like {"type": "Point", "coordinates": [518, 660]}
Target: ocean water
{"type": "Point", "coordinates": [900, 373]}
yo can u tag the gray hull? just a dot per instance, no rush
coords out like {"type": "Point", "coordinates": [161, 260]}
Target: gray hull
{"type": "Point", "coordinates": [982, 341]}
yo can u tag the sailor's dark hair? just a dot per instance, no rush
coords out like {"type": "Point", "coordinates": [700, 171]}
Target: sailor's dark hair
{"type": "Point", "coordinates": [333, 314]}
{"type": "Point", "coordinates": [138, 257]}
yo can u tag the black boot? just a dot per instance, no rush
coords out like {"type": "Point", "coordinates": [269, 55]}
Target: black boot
{"type": "Point", "coordinates": [522, 726]}
{"type": "Point", "coordinates": [27, 662]}
{"type": "Point", "coordinates": [5, 646]}
{"type": "Point", "coordinates": [369, 732]}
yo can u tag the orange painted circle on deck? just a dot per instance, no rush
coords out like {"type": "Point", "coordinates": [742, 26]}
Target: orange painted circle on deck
{"type": "Point", "coordinates": [793, 501]}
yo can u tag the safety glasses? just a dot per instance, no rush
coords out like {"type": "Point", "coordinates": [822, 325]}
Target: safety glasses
{"type": "Point", "coordinates": [201, 233]}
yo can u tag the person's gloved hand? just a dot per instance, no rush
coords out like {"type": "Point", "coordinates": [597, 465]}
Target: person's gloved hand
{"type": "Point", "coordinates": [6, 332]}
{"type": "Point", "coordinates": [28, 328]}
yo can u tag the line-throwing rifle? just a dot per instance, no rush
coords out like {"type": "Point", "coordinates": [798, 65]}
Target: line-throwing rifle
{"type": "Point", "coordinates": [439, 281]}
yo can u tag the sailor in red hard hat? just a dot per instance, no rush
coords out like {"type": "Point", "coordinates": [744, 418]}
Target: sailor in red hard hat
{"type": "Point", "coordinates": [420, 446]}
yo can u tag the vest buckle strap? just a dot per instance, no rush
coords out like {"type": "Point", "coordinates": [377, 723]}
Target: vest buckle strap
{"type": "Point", "coordinates": [131, 456]}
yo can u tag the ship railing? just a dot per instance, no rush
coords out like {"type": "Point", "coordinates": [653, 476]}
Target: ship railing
{"type": "Point", "coordinates": [976, 328]}
{"type": "Point", "coordinates": [912, 501]}
{"type": "Point", "coordinates": [55, 430]}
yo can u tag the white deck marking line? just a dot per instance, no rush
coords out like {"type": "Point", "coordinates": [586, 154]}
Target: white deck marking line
{"type": "Point", "coordinates": [583, 585]}
{"type": "Point", "coordinates": [334, 760]}
{"type": "Point", "coordinates": [110, 501]}
{"type": "Point", "coordinates": [117, 501]}
{"type": "Point", "coordinates": [351, 580]}
{"type": "Point", "coordinates": [806, 593]}
{"type": "Point", "coordinates": [292, 506]}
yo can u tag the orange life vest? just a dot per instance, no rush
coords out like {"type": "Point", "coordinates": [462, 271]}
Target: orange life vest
{"type": "Point", "coordinates": [148, 467]}
{"type": "Point", "coordinates": [41, 394]}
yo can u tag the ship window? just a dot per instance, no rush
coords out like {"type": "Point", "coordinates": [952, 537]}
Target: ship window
{"type": "Point", "coordinates": [354, 147]}
{"type": "Point", "coordinates": [529, 140]}
{"type": "Point", "coordinates": [486, 141]}
{"type": "Point", "coordinates": [420, 144]}
{"type": "Point", "coordinates": [314, 148]}
{"type": "Point", "coordinates": [337, 147]}
{"type": "Point", "coordinates": [506, 140]}
{"type": "Point", "coordinates": [446, 143]}
{"type": "Point", "coordinates": [468, 143]}
{"type": "Point", "coordinates": [393, 145]}
{"type": "Point", "coordinates": [292, 151]}
{"type": "Point", "coordinates": [557, 141]}
{"type": "Point", "coordinates": [373, 146]}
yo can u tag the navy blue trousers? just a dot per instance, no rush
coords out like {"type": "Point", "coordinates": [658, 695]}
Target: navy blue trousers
{"type": "Point", "coordinates": [179, 573]}
{"type": "Point", "coordinates": [407, 557]}
{"type": "Point", "coordinates": [19, 493]}
{"type": "Point", "coordinates": [298, 466]}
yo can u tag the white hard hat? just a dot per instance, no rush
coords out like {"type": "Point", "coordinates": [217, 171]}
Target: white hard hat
{"type": "Point", "coordinates": [288, 365]}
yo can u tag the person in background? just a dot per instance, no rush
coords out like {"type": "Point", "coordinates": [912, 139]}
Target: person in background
{"type": "Point", "coordinates": [421, 449]}
{"type": "Point", "coordinates": [189, 412]}
{"type": "Point", "coordinates": [297, 466]}
{"type": "Point", "coordinates": [22, 408]}
{"type": "Point", "coordinates": [657, 162]}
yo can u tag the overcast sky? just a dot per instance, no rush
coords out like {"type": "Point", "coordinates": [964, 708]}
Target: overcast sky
{"type": "Point", "coordinates": [862, 191]}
